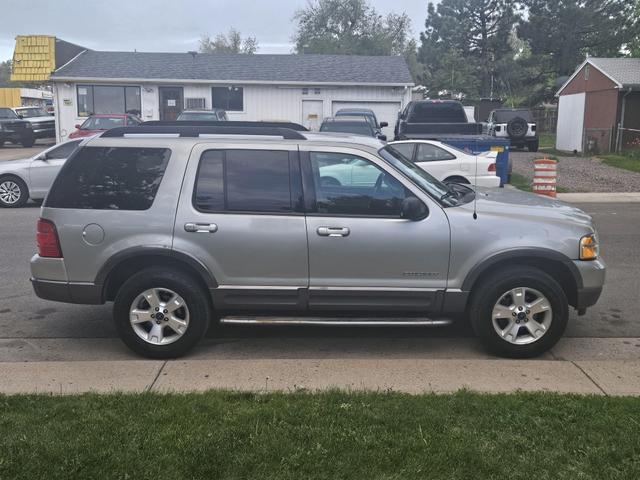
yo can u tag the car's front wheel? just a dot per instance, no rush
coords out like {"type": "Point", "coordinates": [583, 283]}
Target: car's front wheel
{"type": "Point", "coordinates": [13, 192]}
{"type": "Point", "coordinates": [519, 312]}
{"type": "Point", "coordinates": [161, 313]}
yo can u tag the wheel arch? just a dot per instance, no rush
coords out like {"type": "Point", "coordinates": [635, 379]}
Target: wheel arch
{"type": "Point", "coordinates": [122, 265]}
{"type": "Point", "coordinates": [553, 263]}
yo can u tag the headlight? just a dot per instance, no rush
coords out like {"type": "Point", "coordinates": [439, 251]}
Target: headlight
{"type": "Point", "coordinates": [28, 125]}
{"type": "Point", "coordinates": [589, 247]}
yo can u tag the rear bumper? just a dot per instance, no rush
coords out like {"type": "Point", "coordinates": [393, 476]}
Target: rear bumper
{"type": "Point", "coordinates": [68, 292]}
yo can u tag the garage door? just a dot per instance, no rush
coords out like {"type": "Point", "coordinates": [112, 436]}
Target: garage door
{"type": "Point", "coordinates": [385, 112]}
{"type": "Point", "coordinates": [570, 122]}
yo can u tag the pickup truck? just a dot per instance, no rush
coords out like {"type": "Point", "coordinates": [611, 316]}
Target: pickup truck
{"type": "Point", "coordinates": [434, 119]}
{"type": "Point", "coordinates": [15, 130]}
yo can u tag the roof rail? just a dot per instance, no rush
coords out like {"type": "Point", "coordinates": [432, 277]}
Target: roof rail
{"type": "Point", "coordinates": [196, 131]}
{"type": "Point", "coordinates": [229, 123]}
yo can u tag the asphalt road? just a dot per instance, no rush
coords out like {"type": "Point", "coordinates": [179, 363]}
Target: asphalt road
{"type": "Point", "coordinates": [24, 316]}
{"type": "Point", "coordinates": [14, 152]}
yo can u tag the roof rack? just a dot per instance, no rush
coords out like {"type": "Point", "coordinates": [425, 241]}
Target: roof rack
{"type": "Point", "coordinates": [196, 131]}
{"type": "Point", "coordinates": [229, 123]}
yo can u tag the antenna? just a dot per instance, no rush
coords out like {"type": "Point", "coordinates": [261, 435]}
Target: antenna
{"type": "Point", "coordinates": [475, 191]}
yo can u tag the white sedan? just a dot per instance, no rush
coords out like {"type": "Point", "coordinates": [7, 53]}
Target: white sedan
{"type": "Point", "coordinates": [449, 164]}
{"type": "Point", "coordinates": [32, 177]}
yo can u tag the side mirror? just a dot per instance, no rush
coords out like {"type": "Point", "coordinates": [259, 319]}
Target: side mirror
{"type": "Point", "coordinates": [384, 124]}
{"type": "Point", "coordinates": [382, 137]}
{"type": "Point", "coordinates": [413, 209]}
{"type": "Point", "coordinates": [42, 157]}
{"type": "Point", "coordinates": [78, 126]}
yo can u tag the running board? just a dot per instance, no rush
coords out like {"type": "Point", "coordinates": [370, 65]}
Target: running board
{"type": "Point", "coordinates": [331, 322]}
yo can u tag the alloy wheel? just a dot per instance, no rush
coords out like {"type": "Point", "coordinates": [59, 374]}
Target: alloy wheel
{"type": "Point", "coordinates": [10, 192]}
{"type": "Point", "coordinates": [159, 316]}
{"type": "Point", "coordinates": [522, 316]}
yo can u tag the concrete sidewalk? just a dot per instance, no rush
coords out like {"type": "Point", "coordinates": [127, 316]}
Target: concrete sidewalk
{"type": "Point", "coordinates": [611, 367]}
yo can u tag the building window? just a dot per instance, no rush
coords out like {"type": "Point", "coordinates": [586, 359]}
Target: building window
{"type": "Point", "coordinates": [230, 99]}
{"type": "Point", "coordinates": [108, 99]}
{"type": "Point", "coordinates": [194, 103]}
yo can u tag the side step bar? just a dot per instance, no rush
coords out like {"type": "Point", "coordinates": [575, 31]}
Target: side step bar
{"type": "Point", "coordinates": [333, 322]}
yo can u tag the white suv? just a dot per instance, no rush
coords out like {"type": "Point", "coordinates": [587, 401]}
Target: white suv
{"type": "Point", "coordinates": [516, 124]}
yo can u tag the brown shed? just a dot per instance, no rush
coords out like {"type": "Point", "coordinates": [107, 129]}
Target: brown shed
{"type": "Point", "coordinates": [599, 106]}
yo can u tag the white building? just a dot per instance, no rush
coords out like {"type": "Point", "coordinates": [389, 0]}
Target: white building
{"type": "Point", "coordinates": [296, 88]}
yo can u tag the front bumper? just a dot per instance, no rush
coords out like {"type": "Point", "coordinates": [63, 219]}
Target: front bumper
{"type": "Point", "coordinates": [16, 136]}
{"type": "Point", "coordinates": [593, 274]}
{"type": "Point", "coordinates": [44, 132]}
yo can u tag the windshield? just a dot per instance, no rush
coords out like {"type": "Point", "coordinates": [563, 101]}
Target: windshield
{"type": "Point", "coordinates": [345, 127]}
{"type": "Point", "coordinates": [505, 116]}
{"type": "Point", "coordinates": [437, 112]}
{"type": "Point", "coordinates": [32, 112]}
{"type": "Point", "coordinates": [7, 113]}
{"type": "Point", "coordinates": [367, 116]}
{"type": "Point", "coordinates": [205, 116]}
{"type": "Point", "coordinates": [438, 190]}
{"type": "Point", "coordinates": [102, 123]}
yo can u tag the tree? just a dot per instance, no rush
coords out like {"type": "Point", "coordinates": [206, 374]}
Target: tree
{"type": "Point", "coordinates": [232, 42]}
{"type": "Point", "coordinates": [5, 73]}
{"type": "Point", "coordinates": [354, 27]}
{"type": "Point", "coordinates": [464, 39]}
{"type": "Point", "coordinates": [562, 33]}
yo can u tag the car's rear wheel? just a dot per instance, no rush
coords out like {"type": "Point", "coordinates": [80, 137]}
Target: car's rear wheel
{"type": "Point", "coordinates": [13, 192]}
{"type": "Point", "coordinates": [161, 313]}
{"type": "Point", "coordinates": [519, 312]}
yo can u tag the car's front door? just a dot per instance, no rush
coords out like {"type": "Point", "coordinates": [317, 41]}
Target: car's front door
{"type": "Point", "coordinates": [362, 254]}
{"type": "Point", "coordinates": [241, 215]}
{"type": "Point", "coordinates": [45, 167]}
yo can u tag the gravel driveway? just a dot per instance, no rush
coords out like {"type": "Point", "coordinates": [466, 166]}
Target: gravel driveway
{"type": "Point", "coordinates": [581, 174]}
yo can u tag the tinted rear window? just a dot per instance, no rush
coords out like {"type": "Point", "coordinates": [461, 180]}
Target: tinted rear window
{"type": "Point", "coordinates": [437, 112]}
{"type": "Point", "coordinates": [245, 181]}
{"type": "Point", "coordinates": [505, 116]}
{"type": "Point", "coordinates": [104, 178]}
{"type": "Point", "coordinates": [345, 127]}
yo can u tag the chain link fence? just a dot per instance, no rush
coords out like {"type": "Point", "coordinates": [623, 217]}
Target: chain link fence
{"type": "Point", "coordinates": [598, 140]}
{"type": "Point", "coordinates": [627, 139]}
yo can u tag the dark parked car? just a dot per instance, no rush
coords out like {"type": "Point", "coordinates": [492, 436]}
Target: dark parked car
{"type": "Point", "coordinates": [516, 124]}
{"type": "Point", "coordinates": [104, 121]}
{"type": "Point", "coordinates": [357, 125]}
{"type": "Point", "coordinates": [363, 112]}
{"type": "Point", "coordinates": [432, 119]}
{"type": "Point", "coordinates": [44, 125]}
{"type": "Point", "coordinates": [215, 115]}
{"type": "Point", "coordinates": [14, 129]}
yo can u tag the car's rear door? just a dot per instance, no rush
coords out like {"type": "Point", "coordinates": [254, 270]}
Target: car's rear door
{"type": "Point", "coordinates": [241, 215]}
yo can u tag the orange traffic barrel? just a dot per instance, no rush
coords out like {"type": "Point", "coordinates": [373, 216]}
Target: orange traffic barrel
{"type": "Point", "coordinates": [544, 177]}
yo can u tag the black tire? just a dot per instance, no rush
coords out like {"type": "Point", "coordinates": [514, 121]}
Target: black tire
{"type": "Point", "coordinates": [533, 146]}
{"type": "Point", "coordinates": [22, 188]}
{"type": "Point", "coordinates": [460, 180]}
{"type": "Point", "coordinates": [28, 142]}
{"type": "Point", "coordinates": [489, 291]}
{"type": "Point", "coordinates": [517, 128]}
{"type": "Point", "coordinates": [194, 295]}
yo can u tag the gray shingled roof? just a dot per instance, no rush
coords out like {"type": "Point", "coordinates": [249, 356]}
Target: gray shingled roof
{"type": "Point", "coordinates": [336, 69]}
{"type": "Point", "coordinates": [625, 71]}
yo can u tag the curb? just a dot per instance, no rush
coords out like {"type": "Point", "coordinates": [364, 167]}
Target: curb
{"type": "Point", "coordinates": [600, 197]}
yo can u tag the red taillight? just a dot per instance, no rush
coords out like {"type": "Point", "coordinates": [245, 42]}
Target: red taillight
{"type": "Point", "coordinates": [47, 239]}
{"type": "Point", "coordinates": [492, 167]}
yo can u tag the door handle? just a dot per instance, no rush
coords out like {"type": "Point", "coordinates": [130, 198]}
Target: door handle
{"type": "Point", "coordinates": [333, 231]}
{"type": "Point", "coordinates": [200, 227]}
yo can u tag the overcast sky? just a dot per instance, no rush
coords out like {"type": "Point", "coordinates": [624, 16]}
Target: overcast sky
{"type": "Point", "coordinates": [162, 25]}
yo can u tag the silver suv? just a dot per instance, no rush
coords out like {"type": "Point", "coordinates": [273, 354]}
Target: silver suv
{"type": "Point", "coordinates": [183, 226]}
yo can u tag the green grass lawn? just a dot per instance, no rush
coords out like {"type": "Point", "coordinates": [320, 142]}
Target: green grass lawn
{"type": "Point", "coordinates": [628, 161]}
{"type": "Point", "coordinates": [547, 140]}
{"type": "Point", "coordinates": [319, 436]}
